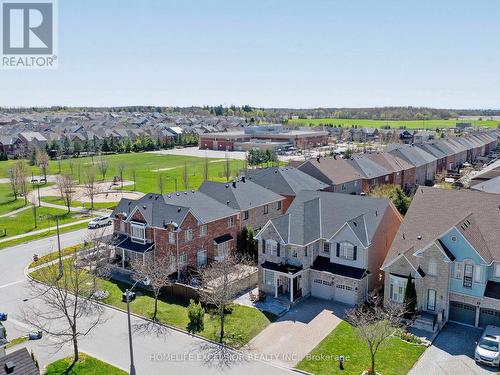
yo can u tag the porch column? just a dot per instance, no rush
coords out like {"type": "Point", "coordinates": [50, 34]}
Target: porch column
{"type": "Point", "coordinates": [476, 324]}
{"type": "Point", "coordinates": [123, 258]}
{"type": "Point", "coordinates": [143, 255]}
{"type": "Point", "coordinates": [291, 289]}
{"type": "Point", "coordinates": [275, 285]}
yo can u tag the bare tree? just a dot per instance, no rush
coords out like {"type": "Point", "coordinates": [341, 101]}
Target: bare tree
{"type": "Point", "coordinates": [13, 181]}
{"type": "Point", "coordinates": [21, 179]}
{"type": "Point", "coordinates": [156, 270]}
{"type": "Point", "coordinates": [66, 187]}
{"type": "Point", "coordinates": [220, 285]}
{"type": "Point", "coordinates": [134, 177]}
{"type": "Point", "coordinates": [227, 168]}
{"type": "Point", "coordinates": [205, 168]}
{"type": "Point", "coordinates": [375, 322]}
{"type": "Point", "coordinates": [185, 177]}
{"type": "Point", "coordinates": [96, 255]}
{"type": "Point", "coordinates": [160, 183]}
{"type": "Point", "coordinates": [42, 160]}
{"type": "Point", "coordinates": [120, 168]}
{"type": "Point", "coordinates": [90, 185]}
{"type": "Point", "coordinates": [103, 166]}
{"type": "Point", "coordinates": [61, 301]}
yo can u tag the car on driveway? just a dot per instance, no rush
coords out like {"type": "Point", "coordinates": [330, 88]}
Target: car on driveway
{"type": "Point", "coordinates": [487, 349]}
{"type": "Point", "coordinates": [100, 222]}
{"type": "Point", "coordinates": [3, 316]}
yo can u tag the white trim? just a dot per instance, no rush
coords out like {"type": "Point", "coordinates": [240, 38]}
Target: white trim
{"type": "Point", "coordinates": [417, 274]}
{"type": "Point", "coordinates": [259, 237]}
{"type": "Point", "coordinates": [466, 240]}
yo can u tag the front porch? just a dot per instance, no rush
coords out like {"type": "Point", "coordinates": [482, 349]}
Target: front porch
{"type": "Point", "coordinates": [127, 252]}
{"type": "Point", "coordinates": [283, 280]}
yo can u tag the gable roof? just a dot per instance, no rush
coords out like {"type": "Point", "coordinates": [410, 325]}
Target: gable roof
{"type": "Point", "coordinates": [23, 363]}
{"type": "Point", "coordinates": [317, 214]}
{"type": "Point", "coordinates": [285, 180]}
{"type": "Point", "coordinates": [434, 211]}
{"type": "Point", "coordinates": [391, 162]}
{"type": "Point", "coordinates": [239, 195]}
{"type": "Point", "coordinates": [336, 170]}
{"type": "Point", "coordinates": [490, 186]}
{"type": "Point", "coordinates": [368, 167]}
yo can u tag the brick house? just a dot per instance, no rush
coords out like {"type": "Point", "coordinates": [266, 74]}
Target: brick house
{"type": "Point", "coordinates": [448, 242]}
{"type": "Point", "coordinates": [255, 203]}
{"type": "Point", "coordinates": [327, 245]}
{"type": "Point", "coordinates": [190, 226]}
{"type": "Point", "coordinates": [403, 173]}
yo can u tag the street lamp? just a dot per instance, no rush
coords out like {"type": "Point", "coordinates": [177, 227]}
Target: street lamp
{"type": "Point", "coordinates": [61, 269]}
{"type": "Point", "coordinates": [131, 348]}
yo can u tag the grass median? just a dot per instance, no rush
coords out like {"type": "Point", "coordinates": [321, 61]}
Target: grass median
{"type": "Point", "coordinates": [86, 365]}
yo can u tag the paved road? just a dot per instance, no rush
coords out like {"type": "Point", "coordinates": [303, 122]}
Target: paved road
{"type": "Point", "coordinates": [170, 352]}
{"type": "Point", "coordinates": [452, 353]}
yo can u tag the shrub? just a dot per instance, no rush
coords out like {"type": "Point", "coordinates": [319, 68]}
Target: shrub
{"type": "Point", "coordinates": [196, 315]}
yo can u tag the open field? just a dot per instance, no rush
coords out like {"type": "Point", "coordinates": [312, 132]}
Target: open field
{"type": "Point", "coordinates": [7, 201]}
{"type": "Point", "coordinates": [417, 124]}
{"type": "Point", "coordinates": [97, 205]}
{"type": "Point", "coordinates": [395, 357]}
{"type": "Point", "coordinates": [148, 166]}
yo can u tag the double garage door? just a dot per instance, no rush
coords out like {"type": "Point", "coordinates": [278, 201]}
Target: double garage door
{"type": "Point", "coordinates": [339, 292]}
{"type": "Point", "coordinates": [488, 316]}
{"type": "Point", "coordinates": [462, 313]}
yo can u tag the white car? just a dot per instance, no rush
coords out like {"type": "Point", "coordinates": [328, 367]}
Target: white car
{"type": "Point", "coordinates": [487, 349]}
{"type": "Point", "coordinates": [100, 222]}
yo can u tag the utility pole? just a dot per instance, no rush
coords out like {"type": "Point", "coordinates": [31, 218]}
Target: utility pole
{"type": "Point", "coordinates": [61, 270]}
{"type": "Point", "coordinates": [131, 349]}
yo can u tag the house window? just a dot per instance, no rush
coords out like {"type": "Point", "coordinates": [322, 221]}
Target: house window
{"type": "Point", "coordinates": [295, 253]}
{"type": "Point", "coordinates": [397, 289]}
{"type": "Point", "coordinates": [326, 247]}
{"type": "Point", "coordinates": [183, 259]}
{"type": "Point", "coordinates": [432, 271]}
{"type": "Point", "coordinates": [457, 271]}
{"type": "Point", "coordinates": [223, 249]}
{"type": "Point", "coordinates": [477, 274]}
{"type": "Point", "coordinates": [201, 258]}
{"type": "Point", "coordinates": [203, 230]}
{"type": "Point", "coordinates": [386, 178]}
{"type": "Point", "coordinates": [497, 270]}
{"type": "Point", "coordinates": [266, 209]}
{"type": "Point", "coordinates": [468, 272]}
{"type": "Point", "coordinates": [245, 215]}
{"type": "Point", "coordinates": [344, 187]}
{"type": "Point", "coordinates": [122, 226]}
{"type": "Point", "coordinates": [188, 235]}
{"type": "Point", "coordinates": [268, 277]}
{"type": "Point", "coordinates": [171, 237]}
{"type": "Point", "coordinates": [138, 232]}
{"type": "Point", "coordinates": [271, 247]}
{"type": "Point", "coordinates": [346, 250]}
{"type": "Point", "coordinates": [230, 222]}
{"type": "Point", "coordinates": [279, 206]}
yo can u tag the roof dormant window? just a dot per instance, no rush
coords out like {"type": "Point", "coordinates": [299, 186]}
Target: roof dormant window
{"type": "Point", "coordinates": [138, 232]}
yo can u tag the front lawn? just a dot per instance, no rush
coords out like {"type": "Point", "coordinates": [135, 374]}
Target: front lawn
{"type": "Point", "coordinates": [396, 357]}
{"type": "Point", "coordinates": [87, 365]}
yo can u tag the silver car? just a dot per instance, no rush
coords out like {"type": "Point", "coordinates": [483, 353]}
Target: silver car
{"type": "Point", "coordinates": [100, 222]}
{"type": "Point", "coordinates": [487, 349]}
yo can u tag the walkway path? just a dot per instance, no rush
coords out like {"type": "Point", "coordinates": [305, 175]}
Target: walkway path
{"type": "Point", "coordinates": [15, 212]}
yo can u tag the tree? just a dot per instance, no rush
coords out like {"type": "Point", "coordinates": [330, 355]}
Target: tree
{"type": "Point", "coordinates": [42, 161]}
{"type": "Point", "coordinates": [227, 167]}
{"type": "Point", "coordinates": [196, 315]}
{"type": "Point", "coordinates": [134, 177]}
{"type": "Point", "coordinates": [103, 166]}
{"type": "Point", "coordinates": [33, 156]}
{"type": "Point", "coordinates": [90, 185]}
{"type": "Point", "coordinates": [220, 286]}
{"type": "Point", "coordinates": [13, 182]}
{"type": "Point", "coordinates": [395, 194]}
{"type": "Point", "coordinates": [61, 301]}
{"type": "Point", "coordinates": [205, 168]}
{"type": "Point", "coordinates": [185, 177]}
{"type": "Point", "coordinates": [120, 168]}
{"type": "Point", "coordinates": [66, 187]}
{"type": "Point", "coordinates": [160, 183]}
{"type": "Point", "coordinates": [156, 270]}
{"type": "Point", "coordinates": [20, 175]}
{"type": "Point", "coordinates": [375, 322]}
{"type": "Point", "coordinates": [410, 298]}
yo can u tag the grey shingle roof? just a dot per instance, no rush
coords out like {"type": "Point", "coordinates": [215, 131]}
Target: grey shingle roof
{"type": "Point", "coordinates": [490, 186]}
{"type": "Point", "coordinates": [316, 214]}
{"type": "Point", "coordinates": [23, 364]}
{"type": "Point", "coordinates": [367, 167]}
{"type": "Point", "coordinates": [239, 195]}
{"type": "Point", "coordinates": [285, 181]}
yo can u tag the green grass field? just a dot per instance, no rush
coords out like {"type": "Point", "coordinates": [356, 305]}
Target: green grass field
{"type": "Point", "coordinates": [147, 166]}
{"type": "Point", "coordinates": [395, 357]}
{"type": "Point", "coordinates": [86, 365]}
{"type": "Point", "coordinates": [416, 124]}
{"type": "Point", "coordinates": [7, 201]}
{"type": "Point", "coordinates": [97, 205]}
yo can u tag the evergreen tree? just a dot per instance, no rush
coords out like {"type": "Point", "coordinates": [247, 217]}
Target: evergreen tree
{"type": "Point", "coordinates": [410, 298]}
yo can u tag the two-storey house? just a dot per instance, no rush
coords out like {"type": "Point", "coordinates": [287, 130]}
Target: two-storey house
{"type": "Point", "coordinates": [189, 226]}
{"type": "Point", "coordinates": [256, 204]}
{"type": "Point", "coordinates": [449, 242]}
{"type": "Point", "coordinates": [327, 245]}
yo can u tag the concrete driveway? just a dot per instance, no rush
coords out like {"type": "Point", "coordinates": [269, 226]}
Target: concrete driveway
{"type": "Point", "coordinates": [289, 339]}
{"type": "Point", "coordinates": [452, 353]}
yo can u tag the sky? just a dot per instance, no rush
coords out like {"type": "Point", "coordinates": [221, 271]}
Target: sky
{"type": "Point", "coordinates": [274, 53]}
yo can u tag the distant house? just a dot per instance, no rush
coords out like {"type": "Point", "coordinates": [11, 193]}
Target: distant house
{"type": "Point", "coordinates": [373, 174]}
{"type": "Point", "coordinates": [422, 136]}
{"type": "Point", "coordinates": [30, 140]}
{"type": "Point", "coordinates": [403, 173]}
{"type": "Point", "coordinates": [285, 181]}
{"type": "Point", "coordinates": [425, 164]}
{"type": "Point", "coordinates": [8, 145]}
{"type": "Point", "coordinates": [405, 136]}
{"type": "Point", "coordinates": [256, 204]}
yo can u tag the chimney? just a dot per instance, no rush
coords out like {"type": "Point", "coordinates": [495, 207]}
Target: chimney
{"type": "Point", "coordinates": [9, 367]}
{"type": "Point", "coordinates": [243, 179]}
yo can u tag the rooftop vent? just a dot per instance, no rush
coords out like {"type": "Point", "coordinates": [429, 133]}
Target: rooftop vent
{"type": "Point", "coordinates": [150, 197]}
{"type": "Point", "coordinates": [177, 194]}
{"type": "Point", "coordinates": [227, 202]}
{"type": "Point", "coordinates": [276, 171]}
{"type": "Point", "coordinates": [376, 212]}
{"type": "Point", "coordinates": [192, 191]}
{"type": "Point", "coordinates": [144, 207]}
{"type": "Point", "coordinates": [404, 236]}
{"type": "Point", "coordinates": [185, 193]}
{"type": "Point", "coordinates": [234, 184]}
{"type": "Point", "coordinates": [243, 179]}
{"type": "Point", "coordinates": [9, 367]}
{"type": "Point", "coordinates": [227, 186]}
{"type": "Point", "coordinates": [179, 209]}
{"type": "Point", "coordinates": [156, 198]}
{"type": "Point", "coordinates": [169, 196]}
{"type": "Point", "coordinates": [419, 237]}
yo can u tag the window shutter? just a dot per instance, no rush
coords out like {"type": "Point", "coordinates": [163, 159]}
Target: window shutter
{"type": "Point", "coordinates": [355, 253]}
{"type": "Point", "coordinates": [263, 246]}
{"type": "Point", "coordinates": [278, 249]}
{"type": "Point", "coordinates": [338, 249]}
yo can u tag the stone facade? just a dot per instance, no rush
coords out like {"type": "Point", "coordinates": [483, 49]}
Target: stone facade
{"type": "Point", "coordinates": [257, 217]}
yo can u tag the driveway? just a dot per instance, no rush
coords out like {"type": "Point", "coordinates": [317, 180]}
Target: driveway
{"type": "Point", "coordinates": [289, 339]}
{"type": "Point", "coordinates": [452, 353]}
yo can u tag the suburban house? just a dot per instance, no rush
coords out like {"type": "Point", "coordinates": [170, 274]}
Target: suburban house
{"type": "Point", "coordinates": [285, 181]}
{"type": "Point", "coordinates": [256, 204]}
{"type": "Point", "coordinates": [373, 173]}
{"type": "Point", "coordinates": [403, 173]}
{"type": "Point", "coordinates": [189, 225]}
{"type": "Point", "coordinates": [425, 164]}
{"type": "Point", "coordinates": [30, 140]}
{"type": "Point", "coordinates": [327, 245]}
{"type": "Point", "coordinates": [437, 153]}
{"type": "Point", "coordinates": [337, 173]}
{"type": "Point", "coordinates": [448, 242]}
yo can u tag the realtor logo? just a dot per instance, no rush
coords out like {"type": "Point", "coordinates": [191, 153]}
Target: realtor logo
{"type": "Point", "coordinates": [28, 34]}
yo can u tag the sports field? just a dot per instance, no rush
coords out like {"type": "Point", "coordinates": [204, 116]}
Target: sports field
{"type": "Point", "coordinates": [417, 124]}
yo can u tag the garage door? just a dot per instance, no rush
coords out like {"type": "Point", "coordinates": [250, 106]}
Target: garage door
{"type": "Point", "coordinates": [487, 317]}
{"type": "Point", "coordinates": [462, 313]}
{"type": "Point", "coordinates": [322, 289]}
{"type": "Point", "coordinates": [346, 294]}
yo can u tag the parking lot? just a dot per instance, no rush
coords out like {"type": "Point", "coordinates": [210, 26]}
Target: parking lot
{"type": "Point", "coordinates": [452, 353]}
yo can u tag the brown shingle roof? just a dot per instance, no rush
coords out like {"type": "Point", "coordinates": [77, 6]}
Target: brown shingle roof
{"type": "Point", "coordinates": [337, 170]}
{"type": "Point", "coordinates": [434, 211]}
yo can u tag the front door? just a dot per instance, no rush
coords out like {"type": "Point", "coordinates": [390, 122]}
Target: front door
{"type": "Point", "coordinates": [431, 300]}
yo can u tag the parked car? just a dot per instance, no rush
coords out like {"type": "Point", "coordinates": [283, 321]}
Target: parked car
{"type": "Point", "coordinates": [35, 335]}
{"type": "Point", "coordinates": [100, 222]}
{"type": "Point", "coordinates": [3, 316]}
{"type": "Point", "coordinates": [487, 349]}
